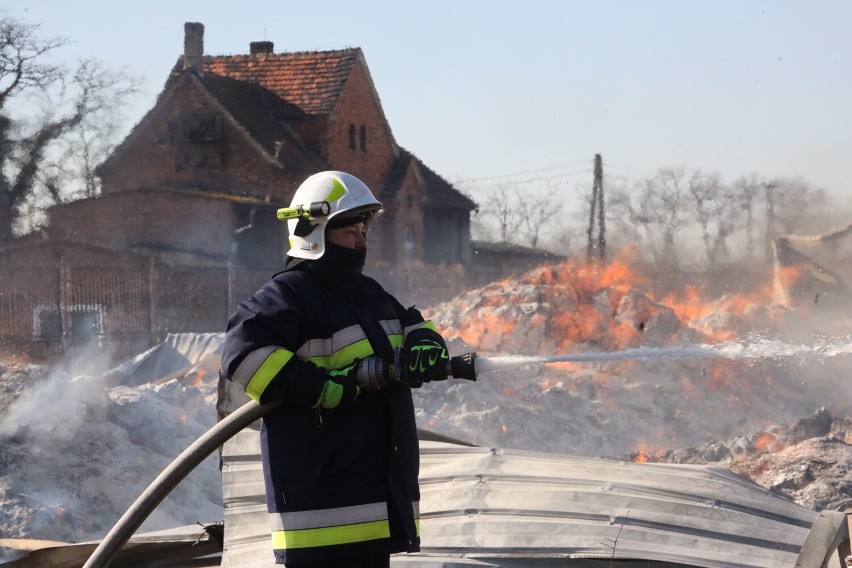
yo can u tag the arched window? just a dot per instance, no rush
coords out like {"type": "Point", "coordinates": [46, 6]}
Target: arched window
{"type": "Point", "coordinates": [351, 136]}
{"type": "Point", "coordinates": [408, 244]}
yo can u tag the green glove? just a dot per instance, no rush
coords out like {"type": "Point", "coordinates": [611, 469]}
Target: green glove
{"type": "Point", "coordinates": [338, 391]}
{"type": "Point", "coordinates": [423, 359]}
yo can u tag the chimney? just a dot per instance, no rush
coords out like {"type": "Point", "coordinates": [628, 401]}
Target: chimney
{"type": "Point", "coordinates": [261, 47]}
{"type": "Point", "coordinates": [193, 45]}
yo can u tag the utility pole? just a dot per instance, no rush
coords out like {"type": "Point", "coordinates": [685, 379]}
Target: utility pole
{"type": "Point", "coordinates": [770, 220]}
{"type": "Point", "coordinates": [596, 213]}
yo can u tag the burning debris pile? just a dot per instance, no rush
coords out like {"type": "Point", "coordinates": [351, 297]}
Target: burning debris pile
{"type": "Point", "coordinates": [810, 461]}
{"type": "Point", "coordinates": [76, 450]}
{"type": "Point", "coordinates": [629, 408]}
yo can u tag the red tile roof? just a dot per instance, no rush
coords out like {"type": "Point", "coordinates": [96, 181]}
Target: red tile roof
{"type": "Point", "coordinates": [311, 81]}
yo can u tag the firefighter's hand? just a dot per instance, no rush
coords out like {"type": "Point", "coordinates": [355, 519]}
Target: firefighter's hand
{"type": "Point", "coordinates": [423, 359]}
{"type": "Point", "coordinates": [339, 390]}
{"type": "Point", "coordinates": [371, 373]}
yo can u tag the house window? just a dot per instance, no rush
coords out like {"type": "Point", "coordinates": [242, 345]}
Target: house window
{"type": "Point", "coordinates": [86, 321]}
{"type": "Point", "coordinates": [204, 127]}
{"type": "Point", "coordinates": [351, 136]}
{"type": "Point", "coordinates": [47, 322]}
{"type": "Point", "coordinates": [363, 136]}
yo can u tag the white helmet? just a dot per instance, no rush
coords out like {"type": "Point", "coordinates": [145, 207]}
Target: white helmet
{"type": "Point", "coordinates": [322, 199]}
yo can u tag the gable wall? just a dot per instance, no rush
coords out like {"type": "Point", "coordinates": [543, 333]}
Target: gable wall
{"type": "Point", "coordinates": [359, 107]}
{"type": "Point", "coordinates": [187, 141]}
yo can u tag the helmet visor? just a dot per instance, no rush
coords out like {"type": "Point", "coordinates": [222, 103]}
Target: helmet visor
{"type": "Point", "coordinates": [354, 216]}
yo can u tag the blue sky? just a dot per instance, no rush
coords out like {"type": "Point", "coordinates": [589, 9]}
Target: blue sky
{"type": "Point", "coordinates": [503, 92]}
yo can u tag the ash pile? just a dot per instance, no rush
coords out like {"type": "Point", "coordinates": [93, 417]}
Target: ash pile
{"type": "Point", "coordinates": [77, 448]}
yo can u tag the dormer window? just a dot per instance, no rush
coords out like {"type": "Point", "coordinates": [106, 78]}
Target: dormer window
{"type": "Point", "coordinates": [351, 136]}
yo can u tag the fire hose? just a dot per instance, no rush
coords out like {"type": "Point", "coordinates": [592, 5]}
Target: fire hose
{"type": "Point", "coordinates": [467, 366]}
{"type": "Point", "coordinates": [460, 367]}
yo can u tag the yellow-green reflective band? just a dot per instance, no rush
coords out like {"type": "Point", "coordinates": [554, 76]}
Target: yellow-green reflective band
{"type": "Point", "coordinates": [338, 190]}
{"type": "Point", "coordinates": [270, 367]}
{"type": "Point", "coordinates": [330, 536]}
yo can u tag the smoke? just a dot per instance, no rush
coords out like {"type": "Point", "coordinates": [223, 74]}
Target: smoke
{"type": "Point", "coordinates": [51, 411]}
{"type": "Point", "coordinates": [76, 449]}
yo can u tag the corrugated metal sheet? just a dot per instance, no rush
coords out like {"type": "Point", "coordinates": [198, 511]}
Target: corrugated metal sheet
{"type": "Point", "coordinates": [495, 507]}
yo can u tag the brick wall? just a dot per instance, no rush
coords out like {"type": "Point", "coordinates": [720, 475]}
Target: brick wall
{"type": "Point", "coordinates": [358, 138]}
{"type": "Point", "coordinates": [171, 220]}
{"type": "Point", "coordinates": [166, 150]}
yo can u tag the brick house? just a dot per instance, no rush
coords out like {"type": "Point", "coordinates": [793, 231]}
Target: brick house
{"type": "Point", "coordinates": [185, 225]}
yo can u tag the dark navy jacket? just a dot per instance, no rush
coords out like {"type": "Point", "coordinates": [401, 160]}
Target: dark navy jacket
{"type": "Point", "coordinates": [340, 483]}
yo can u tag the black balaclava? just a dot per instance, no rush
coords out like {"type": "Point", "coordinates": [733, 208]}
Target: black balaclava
{"type": "Point", "coordinates": [342, 259]}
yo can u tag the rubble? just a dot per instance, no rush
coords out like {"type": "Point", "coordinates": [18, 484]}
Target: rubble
{"type": "Point", "coordinates": [809, 461]}
{"type": "Point", "coordinates": [76, 450]}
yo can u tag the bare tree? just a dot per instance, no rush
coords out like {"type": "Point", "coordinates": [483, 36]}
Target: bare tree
{"type": "Point", "coordinates": [631, 225]}
{"type": "Point", "coordinates": [728, 214]}
{"type": "Point", "coordinates": [537, 214]}
{"type": "Point", "coordinates": [717, 212]}
{"type": "Point", "coordinates": [498, 216]}
{"type": "Point", "coordinates": [704, 190]}
{"type": "Point", "coordinates": [746, 194]}
{"type": "Point", "coordinates": [55, 122]}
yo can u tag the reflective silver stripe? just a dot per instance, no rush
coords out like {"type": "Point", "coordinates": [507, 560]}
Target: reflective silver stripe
{"type": "Point", "coordinates": [329, 517]}
{"type": "Point", "coordinates": [391, 327]}
{"type": "Point", "coordinates": [251, 364]}
{"type": "Point", "coordinates": [416, 506]}
{"type": "Point", "coordinates": [328, 346]}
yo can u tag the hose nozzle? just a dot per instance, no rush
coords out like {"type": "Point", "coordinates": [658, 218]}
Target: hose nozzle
{"type": "Point", "coordinates": [462, 367]}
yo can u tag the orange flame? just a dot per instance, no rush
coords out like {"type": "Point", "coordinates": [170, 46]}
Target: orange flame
{"type": "Point", "coordinates": [198, 379]}
{"type": "Point", "coordinates": [765, 442]}
{"type": "Point", "coordinates": [645, 453]}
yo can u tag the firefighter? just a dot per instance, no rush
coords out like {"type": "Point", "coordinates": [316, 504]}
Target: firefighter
{"type": "Point", "coordinates": [341, 455]}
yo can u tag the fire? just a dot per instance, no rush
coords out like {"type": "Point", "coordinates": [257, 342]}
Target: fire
{"type": "Point", "coordinates": [198, 379]}
{"type": "Point", "coordinates": [643, 453]}
{"type": "Point", "coordinates": [603, 304]}
{"type": "Point", "coordinates": [692, 306]}
{"type": "Point", "coordinates": [579, 306]}
{"type": "Point", "coordinates": [766, 442]}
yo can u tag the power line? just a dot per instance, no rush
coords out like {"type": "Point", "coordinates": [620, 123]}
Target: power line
{"type": "Point", "coordinates": [527, 180]}
{"type": "Point", "coordinates": [526, 172]}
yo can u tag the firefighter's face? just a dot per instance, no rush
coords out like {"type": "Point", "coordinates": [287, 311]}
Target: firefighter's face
{"type": "Point", "coordinates": [351, 236]}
